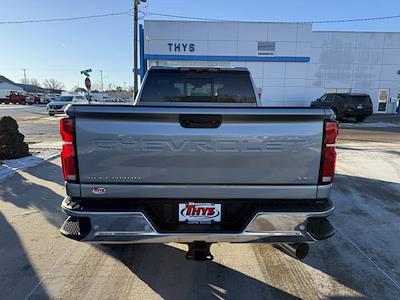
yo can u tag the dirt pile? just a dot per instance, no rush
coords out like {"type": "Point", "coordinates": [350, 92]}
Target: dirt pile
{"type": "Point", "coordinates": [12, 143]}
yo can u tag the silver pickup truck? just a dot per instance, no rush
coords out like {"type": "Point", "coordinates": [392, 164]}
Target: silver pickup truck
{"type": "Point", "coordinates": [196, 160]}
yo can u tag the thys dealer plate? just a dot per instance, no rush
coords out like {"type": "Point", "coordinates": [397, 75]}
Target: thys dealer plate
{"type": "Point", "coordinates": [199, 213]}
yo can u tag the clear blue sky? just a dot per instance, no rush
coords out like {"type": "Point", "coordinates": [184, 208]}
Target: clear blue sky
{"type": "Point", "coordinates": [60, 50]}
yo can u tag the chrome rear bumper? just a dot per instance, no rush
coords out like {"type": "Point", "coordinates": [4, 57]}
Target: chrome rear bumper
{"type": "Point", "coordinates": [134, 227]}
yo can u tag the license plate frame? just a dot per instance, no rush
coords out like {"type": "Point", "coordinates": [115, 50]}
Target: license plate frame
{"type": "Point", "coordinates": [199, 212]}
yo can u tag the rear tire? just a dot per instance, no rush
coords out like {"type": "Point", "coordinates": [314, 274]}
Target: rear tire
{"type": "Point", "coordinates": [360, 118]}
{"type": "Point", "coordinates": [338, 116]}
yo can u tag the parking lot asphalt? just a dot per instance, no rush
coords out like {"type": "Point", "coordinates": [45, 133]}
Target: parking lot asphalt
{"type": "Point", "coordinates": [361, 261]}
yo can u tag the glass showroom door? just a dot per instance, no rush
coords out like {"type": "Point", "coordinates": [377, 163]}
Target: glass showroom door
{"type": "Point", "coordinates": [383, 99]}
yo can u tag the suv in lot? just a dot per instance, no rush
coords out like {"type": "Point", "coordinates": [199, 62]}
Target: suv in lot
{"type": "Point", "coordinates": [358, 106]}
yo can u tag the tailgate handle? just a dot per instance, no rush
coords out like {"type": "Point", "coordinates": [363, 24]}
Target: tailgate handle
{"type": "Point", "coordinates": [200, 121]}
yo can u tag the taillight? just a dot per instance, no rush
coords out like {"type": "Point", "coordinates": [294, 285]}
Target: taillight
{"type": "Point", "coordinates": [68, 155]}
{"type": "Point", "coordinates": [328, 164]}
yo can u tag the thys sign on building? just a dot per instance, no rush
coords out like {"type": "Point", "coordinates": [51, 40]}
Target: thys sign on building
{"type": "Point", "coordinates": [181, 47]}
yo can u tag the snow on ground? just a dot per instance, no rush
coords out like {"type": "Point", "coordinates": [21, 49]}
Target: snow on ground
{"type": "Point", "coordinates": [378, 163]}
{"type": "Point", "coordinates": [40, 155]}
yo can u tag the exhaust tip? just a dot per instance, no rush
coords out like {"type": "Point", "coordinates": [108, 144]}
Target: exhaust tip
{"type": "Point", "coordinates": [298, 250]}
{"type": "Point", "coordinates": [320, 228]}
{"type": "Point", "coordinates": [302, 250]}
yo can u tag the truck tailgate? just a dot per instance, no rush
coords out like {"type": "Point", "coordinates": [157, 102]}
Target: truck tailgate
{"type": "Point", "coordinates": [149, 145]}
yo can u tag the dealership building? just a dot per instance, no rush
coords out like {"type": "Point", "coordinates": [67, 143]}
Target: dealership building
{"type": "Point", "coordinates": [290, 63]}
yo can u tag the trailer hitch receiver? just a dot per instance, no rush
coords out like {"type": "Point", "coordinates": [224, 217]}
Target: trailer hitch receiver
{"type": "Point", "coordinates": [200, 251]}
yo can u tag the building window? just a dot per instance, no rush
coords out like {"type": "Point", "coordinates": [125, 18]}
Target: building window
{"type": "Point", "coordinates": [266, 48]}
{"type": "Point", "coordinates": [337, 91]}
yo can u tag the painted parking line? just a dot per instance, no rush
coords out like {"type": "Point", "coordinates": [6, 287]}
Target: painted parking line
{"type": "Point", "coordinates": [12, 106]}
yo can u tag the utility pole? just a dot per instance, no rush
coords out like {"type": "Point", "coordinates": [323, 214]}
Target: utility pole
{"type": "Point", "coordinates": [135, 47]}
{"type": "Point", "coordinates": [26, 90]}
{"type": "Point", "coordinates": [101, 76]}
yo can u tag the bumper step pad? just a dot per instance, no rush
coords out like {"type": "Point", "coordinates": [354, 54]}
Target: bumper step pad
{"type": "Point", "coordinates": [75, 228]}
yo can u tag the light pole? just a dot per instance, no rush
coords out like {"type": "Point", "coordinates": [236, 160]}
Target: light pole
{"type": "Point", "coordinates": [26, 90]}
{"type": "Point", "coordinates": [135, 46]}
{"type": "Point", "coordinates": [101, 77]}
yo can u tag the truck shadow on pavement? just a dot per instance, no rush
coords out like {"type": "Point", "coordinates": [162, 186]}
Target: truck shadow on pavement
{"type": "Point", "coordinates": [38, 189]}
{"type": "Point", "coordinates": [360, 202]}
{"type": "Point", "coordinates": [31, 193]}
{"type": "Point", "coordinates": [165, 269]}
{"type": "Point", "coordinates": [352, 264]}
{"type": "Point", "coordinates": [17, 276]}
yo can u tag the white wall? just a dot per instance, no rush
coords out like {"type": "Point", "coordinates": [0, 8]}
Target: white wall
{"type": "Point", "coordinates": [6, 87]}
{"type": "Point", "coordinates": [362, 62]}
{"type": "Point", "coordinates": [282, 83]}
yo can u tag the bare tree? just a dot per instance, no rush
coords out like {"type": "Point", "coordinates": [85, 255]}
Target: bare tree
{"type": "Point", "coordinates": [32, 81]}
{"type": "Point", "coordinates": [35, 82]}
{"type": "Point", "coordinates": [78, 89]}
{"type": "Point", "coordinates": [96, 87]}
{"type": "Point", "coordinates": [53, 84]}
{"type": "Point", "coordinates": [110, 87]}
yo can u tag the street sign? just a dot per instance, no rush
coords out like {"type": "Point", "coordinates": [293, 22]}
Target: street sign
{"type": "Point", "coordinates": [88, 84]}
{"type": "Point", "coordinates": [86, 72]}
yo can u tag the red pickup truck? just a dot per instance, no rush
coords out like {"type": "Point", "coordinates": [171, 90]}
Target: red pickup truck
{"type": "Point", "coordinates": [17, 98]}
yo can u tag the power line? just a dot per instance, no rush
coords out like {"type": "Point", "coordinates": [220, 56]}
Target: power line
{"type": "Point", "coordinates": [184, 17]}
{"type": "Point", "coordinates": [66, 19]}
{"type": "Point", "coordinates": [358, 20]}
{"type": "Point", "coordinates": [313, 22]}
{"type": "Point", "coordinates": [147, 13]}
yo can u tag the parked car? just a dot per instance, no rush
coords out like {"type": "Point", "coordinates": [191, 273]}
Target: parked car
{"type": "Point", "coordinates": [33, 99]}
{"type": "Point", "coordinates": [58, 105]}
{"type": "Point", "coordinates": [358, 106]}
{"type": "Point", "coordinates": [30, 99]}
{"type": "Point", "coordinates": [100, 97]}
{"type": "Point", "coordinates": [197, 161]}
{"type": "Point", "coordinates": [40, 98]}
{"type": "Point", "coordinates": [49, 97]}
